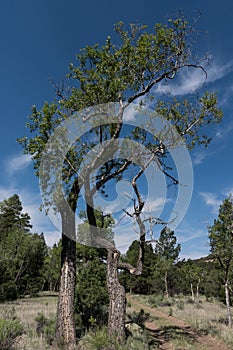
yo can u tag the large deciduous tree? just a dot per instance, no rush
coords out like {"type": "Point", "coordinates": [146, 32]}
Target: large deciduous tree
{"type": "Point", "coordinates": [120, 73]}
{"type": "Point", "coordinates": [221, 244]}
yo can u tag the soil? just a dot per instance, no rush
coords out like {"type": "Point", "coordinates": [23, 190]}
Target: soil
{"type": "Point", "coordinates": [163, 334]}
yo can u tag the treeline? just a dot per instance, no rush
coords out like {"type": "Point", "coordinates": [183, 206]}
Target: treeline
{"type": "Point", "coordinates": [28, 266]}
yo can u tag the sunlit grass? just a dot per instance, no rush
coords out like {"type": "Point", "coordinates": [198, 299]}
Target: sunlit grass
{"type": "Point", "coordinates": [27, 309]}
{"type": "Point", "coordinates": [207, 317]}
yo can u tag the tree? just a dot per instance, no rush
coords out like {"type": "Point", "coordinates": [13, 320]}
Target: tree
{"type": "Point", "coordinates": [193, 274]}
{"type": "Point", "coordinates": [11, 216]}
{"type": "Point", "coordinates": [142, 284]}
{"type": "Point", "coordinates": [120, 73]}
{"type": "Point", "coordinates": [167, 252]}
{"type": "Point", "coordinates": [22, 253]}
{"type": "Point", "coordinates": [92, 299]}
{"type": "Point", "coordinates": [52, 268]}
{"type": "Point", "coordinates": [221, 244]}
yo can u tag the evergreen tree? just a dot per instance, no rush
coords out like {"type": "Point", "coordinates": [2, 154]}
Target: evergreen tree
{"type": "Point", "coordinates": [167, 252]}
{"type": "Point", "coordinates": [142, 284]}
{"type": "Point", "coordinates": [12, 217]}
{"type": "Point", "coordinates": [22, 253]}
{"type": "Point", "coordinates": [221, 244]}
{"type": "Point", "coordinates": [52, 268]}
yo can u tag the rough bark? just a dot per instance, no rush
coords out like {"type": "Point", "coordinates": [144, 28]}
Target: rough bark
{"type": "Point", "coordinates": [117, 298]}
{"type": "Point", "coordinates": [65, 327]}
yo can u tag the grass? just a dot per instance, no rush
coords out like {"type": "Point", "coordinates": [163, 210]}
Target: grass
{"type": "Point", "coordinates": [206, 317]}
{"type": "Point", "coordinates": [27, 310]}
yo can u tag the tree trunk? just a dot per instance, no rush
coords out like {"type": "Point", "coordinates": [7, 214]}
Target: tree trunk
{"type": "Point", "coordinates": [192, 292]}
{"type": "Point", "coordinates": [117, 298]}
{"type": "Point", "coordinates": [65, 327]}
{"type": "Point", "coordinates": [166, 295]}
{"type": "Point", "coordinates": [228, 302]}
{"type": "Point", "coordinates": [198, 284]}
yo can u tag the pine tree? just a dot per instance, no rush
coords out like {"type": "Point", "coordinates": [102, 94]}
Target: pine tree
{"type": "Point", "coordinates": [167, 252]}
{"type": "Point", "coordinates": [221, 244]}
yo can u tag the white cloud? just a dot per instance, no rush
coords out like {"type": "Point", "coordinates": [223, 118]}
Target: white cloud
{"type": "Point", "coordinates": [211, 200]}
{"type": "Point", "coordinates": [18, 163]}
{"type": "Point", "coordinates": [199, 157]}
{"type": "Point", "coordinates": [190, 80]}
{"type": "Point", "coordinates": [155, 205]}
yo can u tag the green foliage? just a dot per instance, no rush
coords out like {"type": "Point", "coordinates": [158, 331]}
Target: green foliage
{"type": "Point", "coordinates": [8, 291]}
{"type": "Point", "coordinates": [10, 329]}
{"type": "Point", "coordinates": [22, 253]}
{"type": "Point", "coordinates": [170, 311]}
{"type": "Point", "coordinates": [166, 247]}
{"type": "Point", "coordinates": [52, 268]}
{"type": "Point", "coordinates": [103, 222]}
{"type": "Point", "coordinates": [167, 254]}
{"type": "Point", "coordinates": [98, 340]}
{"type": "Point", "coordinates": [91, 288]}
{"type": "Point", "coordinates": [220, 234]}
{"type": "Point", "coordinates": [142, 284]}
{"type": "Point", "coordinates": [11, 216]}
{"type": "Point", "coordinates": [121, 72]}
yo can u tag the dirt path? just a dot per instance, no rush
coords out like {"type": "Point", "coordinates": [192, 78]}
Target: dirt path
{"type": "Point", "coordinates": [163, 328]}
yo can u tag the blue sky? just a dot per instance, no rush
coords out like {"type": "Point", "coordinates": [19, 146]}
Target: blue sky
{"type": "Point", "coordinates": [38, 41]}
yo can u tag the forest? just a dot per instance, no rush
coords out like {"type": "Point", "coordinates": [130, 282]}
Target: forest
{"type": "Point", "coordinates": [29, 267]}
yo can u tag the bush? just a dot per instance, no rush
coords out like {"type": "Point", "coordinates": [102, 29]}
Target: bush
{"type": "Point", "coordinates": [8, 291]}
{"type": "Point", "coordinates": [98, 340]}
{"type": "Point", "coordinates": [170, 312]}
{"type": "Point", "coordinates": [10, 329]}
{"type": "Point", "coordinates": [45, 327]}
{"type": "Point", "coordinates": [180, 305]}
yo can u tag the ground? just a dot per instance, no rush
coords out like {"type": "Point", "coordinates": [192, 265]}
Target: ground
{"type": "Point", "coordinates": [167, 330]}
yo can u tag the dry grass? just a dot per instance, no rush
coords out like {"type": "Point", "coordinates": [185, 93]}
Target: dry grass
{"type": "Point", "coordinates": [207, 317]}
{"type": "Point", "coordinates": [27, 309]}
{"type": "Point", "coordinates": [204, 316]}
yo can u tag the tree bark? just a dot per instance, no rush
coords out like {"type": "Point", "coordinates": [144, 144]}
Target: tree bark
{"type": "Point", "coordinates": [192, 292]}
{"type": "Point", "coordinates": [117, 298]}
{"type": "Point", "coordinates": [197, 292]}
{"type": "Point", "coordinates": [228, 302]}
{"type": "Point", "coordinates": [65, 327]}
{"type": "Point", "coordinates": [166, 295]}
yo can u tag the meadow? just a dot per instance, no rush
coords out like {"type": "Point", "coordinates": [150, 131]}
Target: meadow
{"type": "Point", "coordinates": [153, 323]}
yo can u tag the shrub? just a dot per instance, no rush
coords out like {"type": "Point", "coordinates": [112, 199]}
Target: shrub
{"type": "Point", "coordinates": [10, 329]}
{"type": "Point", "coordinates": [8, 291]}
{"type": "Point", "coordinates": [180, 305]}
{"type": "Point", "coordinates": [45, 327]}
{"type": "Point", "coordinates": [98, 340]}
{"type": "Point", "coordinates": [170, 311]}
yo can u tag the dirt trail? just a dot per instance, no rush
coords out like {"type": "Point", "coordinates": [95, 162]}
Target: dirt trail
{"type": "Point", "coordinates": [170, 325]}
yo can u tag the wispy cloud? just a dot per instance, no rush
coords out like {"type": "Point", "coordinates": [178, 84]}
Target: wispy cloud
{"type": "Point", "coordinates": [186, 235]}
{"type": "Point", "coordinates": [17, 163]}
{"type": "Point", "coordinates": [199, 157]}
{"type": "Point", "coordinates": [190, 80]}
{"type": "Point", "coordinates": [225, 130]}
{"type": "Point", "coordinates": [211, 200]}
